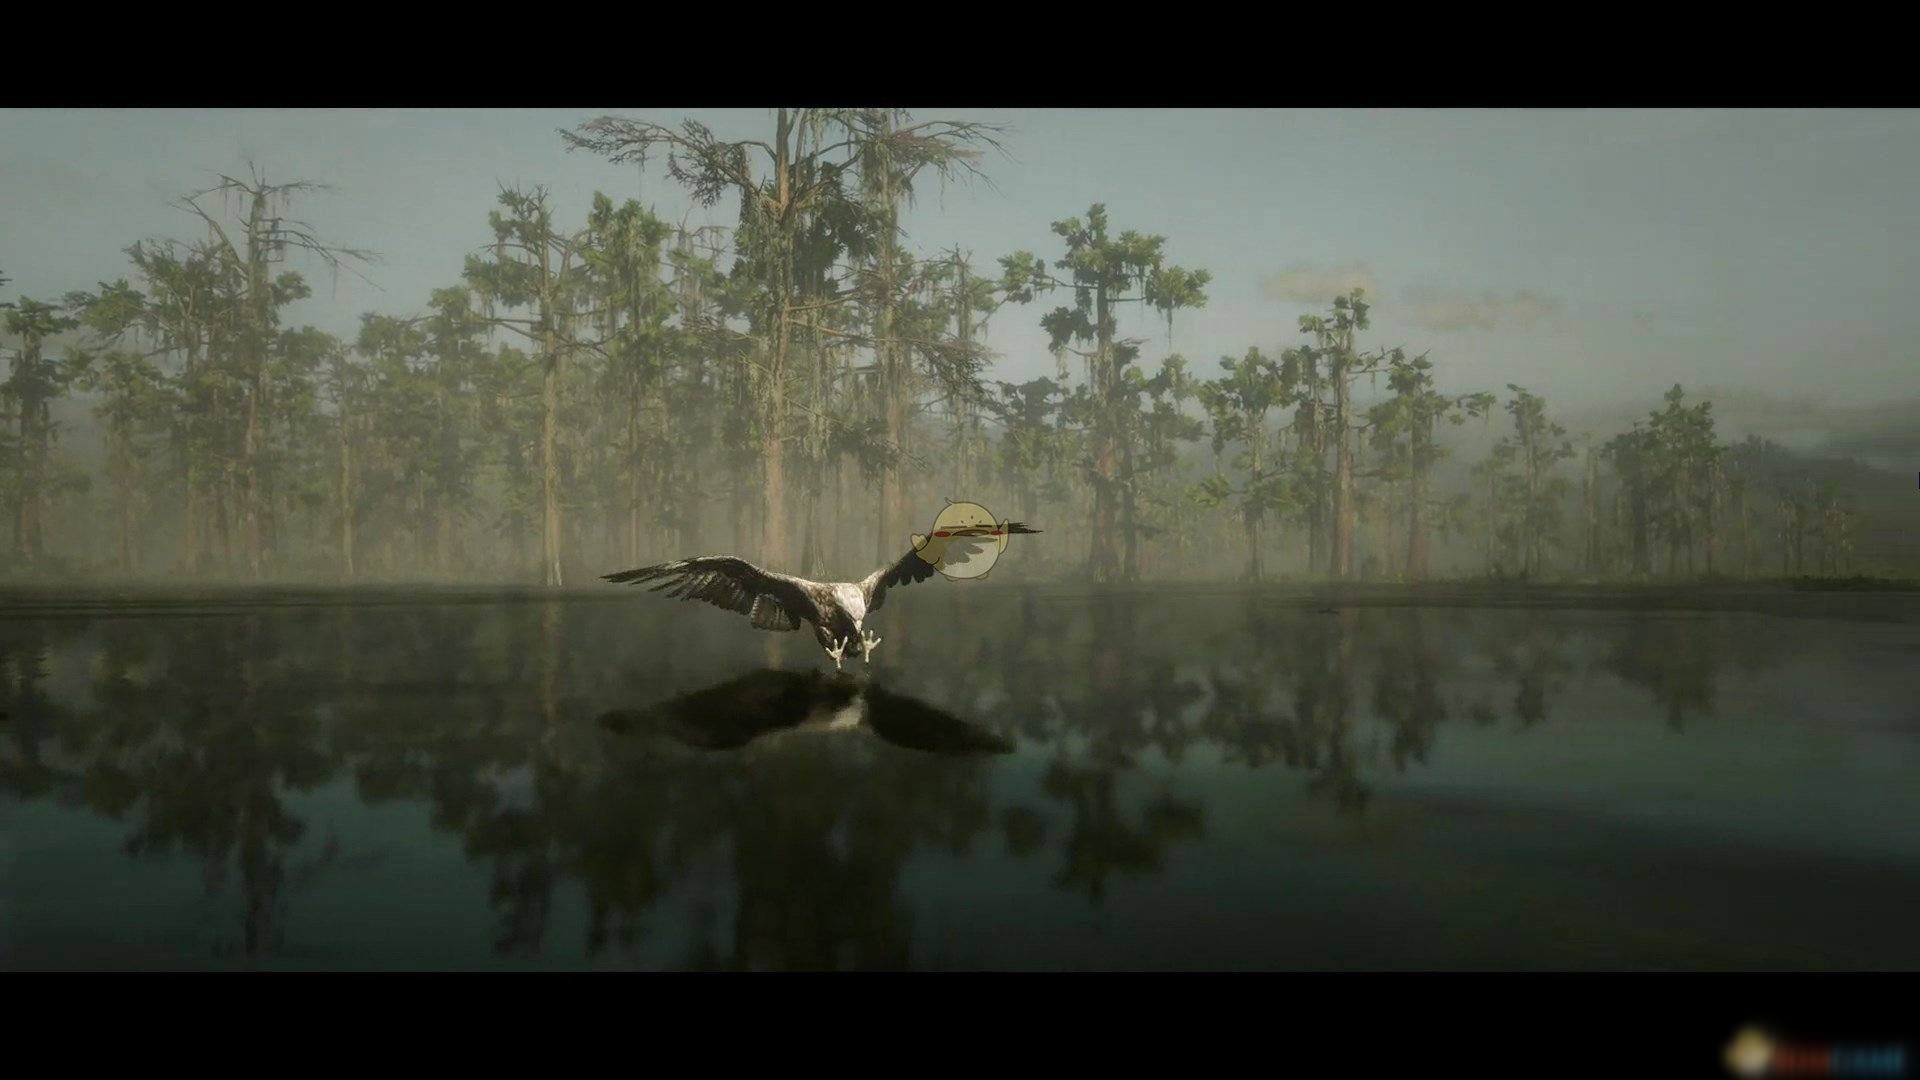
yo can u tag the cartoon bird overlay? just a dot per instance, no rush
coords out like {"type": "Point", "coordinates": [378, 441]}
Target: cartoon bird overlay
{"type": "Point", "coordinates": [964, 542]}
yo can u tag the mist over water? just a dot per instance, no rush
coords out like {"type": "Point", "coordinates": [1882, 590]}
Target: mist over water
{"type": "Point", "coordinates": [1025, 778]}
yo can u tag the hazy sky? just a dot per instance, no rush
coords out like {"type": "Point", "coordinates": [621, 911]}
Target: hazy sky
{"type": "Point", "coordinates": [1595, 257]}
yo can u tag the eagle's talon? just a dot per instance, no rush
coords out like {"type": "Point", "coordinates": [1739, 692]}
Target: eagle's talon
{"type": "Point", "coordinates": [838, 650]}
{"type": "Point", "coordinates": [868, 642]}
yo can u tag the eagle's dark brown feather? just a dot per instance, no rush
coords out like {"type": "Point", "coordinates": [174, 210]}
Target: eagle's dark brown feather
{"type": "Point", "coordinates": [907, 570]}
{"type": "Point", "coordinates": [778, 601]}
{"type": "Point", "coordinates": [773, 601]}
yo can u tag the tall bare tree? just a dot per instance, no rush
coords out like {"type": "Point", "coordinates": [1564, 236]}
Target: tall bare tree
{"type": "Point", "coordinates": [782, 185]}
{"type": "Point", "coordinates": [1341, 362]}
{"type": "Point", "coordinates": [533, 266]}
{"type": "Point", "coordinates": [33, 383]}
{"type": "Point", "coordinates": [265, 238]}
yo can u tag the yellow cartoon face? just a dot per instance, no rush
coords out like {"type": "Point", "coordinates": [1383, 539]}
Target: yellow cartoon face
{"type": "Point", "coordinates": [967, 541]}
{"type": "Point", "coordinates": [964, 519]}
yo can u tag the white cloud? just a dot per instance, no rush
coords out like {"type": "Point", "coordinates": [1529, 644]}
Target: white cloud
{"type": "Point", "coordinates": [1442, 312]}
{"type": "Point", "coordinates": [1318, 285]}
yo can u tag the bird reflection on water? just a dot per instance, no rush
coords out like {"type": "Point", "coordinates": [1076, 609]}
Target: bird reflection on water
{"type": "Point", "coordinates": [767, 703]}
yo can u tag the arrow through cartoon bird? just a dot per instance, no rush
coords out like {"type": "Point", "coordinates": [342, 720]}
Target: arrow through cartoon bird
{"type": "Point", "coordinates": [964, 541]}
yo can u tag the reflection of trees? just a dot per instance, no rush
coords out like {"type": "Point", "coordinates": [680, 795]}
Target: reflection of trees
{"type": "Point", "coordinates": [191, 735]}
{"type": "Point", "coordinates": [1102, 841]}
{"type": "Point", "coordinates": [32, 719]}
{"type": "Point", "coordinates": [809, 902]}
{"type": "Point", "coordinates": [1287, 693]}
{"type": "Point", "coordinates": [1660, 656]}
{"type": "Point", "coordinates": [1677, 659]}
{"type": "Point", "coordinates": [1406, 685]}
{"type": "Point", "coordinates": [1321, 735]}
{"type": "Point", "coordinates": [243, 739]}
{"type": "Point", "coordinates": [816, 835]}
{"type": "Point", "coordinates": [1127, 705]}
{"type": "Point", "coordinates": [1528, 646]}
{"type": "Point", "coordinates": [197, 731]}
{"type": "Point", "coordinates": [1329, 692]}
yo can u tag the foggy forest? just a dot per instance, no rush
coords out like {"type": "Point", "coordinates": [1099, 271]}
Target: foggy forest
{"type": "Point", "coordinates": [1447, 540]}
{"type": "Point", "coordinates": [599, 386]}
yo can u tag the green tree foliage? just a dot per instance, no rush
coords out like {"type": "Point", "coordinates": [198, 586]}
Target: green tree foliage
{"type": "Point", "coordinates": [1402, 430]}
{"type": "Point", "coordinates": [1333, 362]}
{"type": "Point", "coordinates": [34, 381]}
{"type": "Point", "coordinates": [794, 191]}
{"type": "Point", "coordinates": [1238, 403]}
{"type": "Point", "coordinates": [1684, 483]}
{"type": "Point", "coordinates": [1103, 273]}
{"type": "Point", "coordinates": [1535, 492]}
{"type": "Point", "coordinates": [598, 386]}
{"type": "Point", "coordinates": [132, 406]}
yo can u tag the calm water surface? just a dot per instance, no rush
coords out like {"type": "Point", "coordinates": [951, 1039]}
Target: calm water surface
{"type": "Point", "coordinates": [1027, 778]}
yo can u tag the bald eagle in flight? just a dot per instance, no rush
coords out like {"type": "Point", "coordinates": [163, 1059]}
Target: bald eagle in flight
{"type": "Point", "coordinates": [837, 610]}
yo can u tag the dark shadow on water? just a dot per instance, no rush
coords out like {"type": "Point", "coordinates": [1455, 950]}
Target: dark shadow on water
{"type": "Point", "coordinates": [732, 714]}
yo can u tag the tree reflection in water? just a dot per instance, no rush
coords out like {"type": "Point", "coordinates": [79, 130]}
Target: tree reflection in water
{"type": "Point", "coordinates": [538, 733]}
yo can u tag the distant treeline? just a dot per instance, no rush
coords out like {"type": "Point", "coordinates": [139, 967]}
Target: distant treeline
{"type": "Point", "coordinates": [801, 390]}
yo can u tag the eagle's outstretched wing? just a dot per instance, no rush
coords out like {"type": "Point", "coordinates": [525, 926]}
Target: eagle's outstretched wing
{"type": "Point", "coordinates": [907, 570]}
{"type": "Point", "coordinates": [772, 601]}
